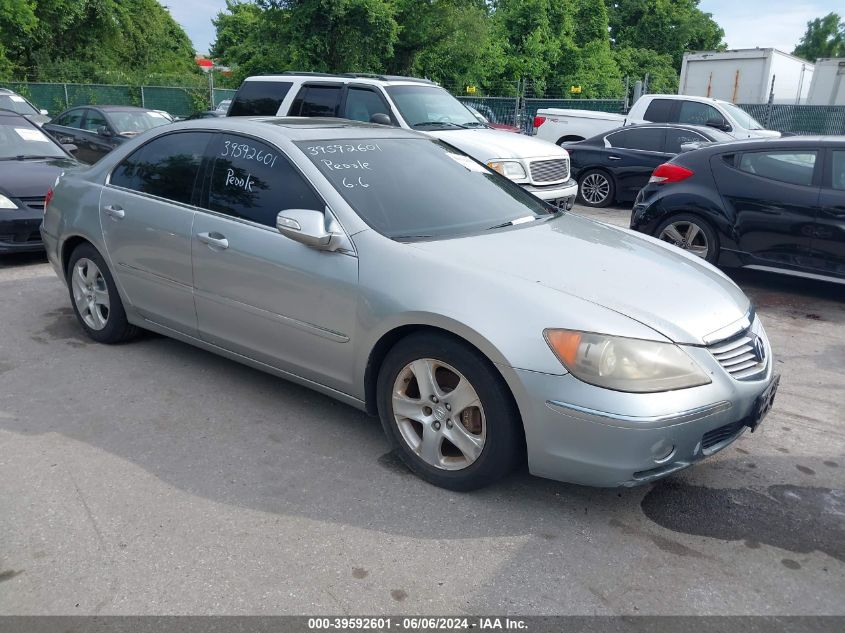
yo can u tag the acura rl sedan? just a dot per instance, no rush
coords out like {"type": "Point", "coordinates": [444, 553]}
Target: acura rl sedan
{"type": "Point", "coordinates": [395, 273]}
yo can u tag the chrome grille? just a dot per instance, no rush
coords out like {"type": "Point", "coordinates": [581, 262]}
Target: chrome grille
{"type": "Point", "coordinates": [36, 204]}
{"type": "Point", "coordinates": [743, 356]}
{"type": "Point", "coordinates": [552, 170]}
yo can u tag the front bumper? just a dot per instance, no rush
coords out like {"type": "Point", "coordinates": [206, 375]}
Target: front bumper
{"type": "Point", "coordinates": [588, 435]}
{"type": "Point", "coordinates": [563, 194]}
{"type": "Point", "coordinates": [19, 231]}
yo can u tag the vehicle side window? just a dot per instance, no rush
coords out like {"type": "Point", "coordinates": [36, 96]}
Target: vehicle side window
{"type": "Point", "coordinates": [362, 104]}
{"type": "Point", "coordinates": [658, 110]}
{"type": "Point", "coordinates": [71, 119]}
{"type": "Point", "coordinates": [646, 139]}
{"type": "Point", "coordinates": [166, 166]}
{"type": "Point", "coordinates": [676, 138]}
{"type": "Point", "coordinates": [94, 120]}
{"type": "Point", "coordinates": [695, 113]}
{"type": "Point", "coordinates": [838, 180]}
{"type": "Point", "coordinates": [259, 98]}
{"type": "Point", "coordinates": [254, 181]}
{"type": "Point", "coordinates": [793, 167]}
{"type": "Point", "coordinates": [317, 101]}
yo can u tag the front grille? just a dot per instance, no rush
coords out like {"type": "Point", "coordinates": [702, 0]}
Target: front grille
{"type": "Point", "coordinates": [743, 356]}
{"type": "Point", "coordinates": [36, 204]}
{"type": "Point", "coordinates": [722, 434]}
{"type": "Point", "coordinates": [554, 170]}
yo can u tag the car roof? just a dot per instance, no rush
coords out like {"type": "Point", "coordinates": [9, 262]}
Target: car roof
{"type": "Point", "coordinates": [784, 142]}
{"type": "Point", "coordinates": [298, 128]}
{"type": "Point", "coordinates": [366, 78]}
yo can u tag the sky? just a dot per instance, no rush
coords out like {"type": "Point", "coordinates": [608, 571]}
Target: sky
{"type": "Point", "coordinates": [747, 23]}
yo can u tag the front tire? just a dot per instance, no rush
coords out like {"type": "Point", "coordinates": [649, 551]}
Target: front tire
{"type": "Point", "coordinates": [596, 189]}
{"type": "Point", "coordinates": [692, 234]}
{"type": "Point", "coordinates": [448, 413]}
{"type": "Point", "coordinates": [95, 299]}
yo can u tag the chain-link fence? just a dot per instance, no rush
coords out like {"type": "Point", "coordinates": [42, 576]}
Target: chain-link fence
{"type": "Point", "coordinates": [177, 100]}
{"type": "Point", "coordinates": [798, 119]}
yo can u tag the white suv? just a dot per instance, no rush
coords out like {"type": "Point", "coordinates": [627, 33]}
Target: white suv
{"type": "Point", "coordinates": [417, 104]}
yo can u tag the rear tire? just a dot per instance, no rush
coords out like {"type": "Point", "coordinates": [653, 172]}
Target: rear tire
{"type": "Point", "coordinates": [456, 425]}
{"type": "Point", "coordinates": [692, 234]}
{"type": "Point", "coordinates": [596, 189]}
{"type": "Point", "coordinates": [94, 297]}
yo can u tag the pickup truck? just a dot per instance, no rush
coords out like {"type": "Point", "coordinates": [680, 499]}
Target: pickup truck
{"type": "Point", "coordinates": [559, 125]}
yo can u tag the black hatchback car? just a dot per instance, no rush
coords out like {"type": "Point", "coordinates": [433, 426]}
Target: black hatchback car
{"type": "Point", "coordinates": [97, 130]}
{"type": "Point", "coordinates": [615, 165]}
{"type": "Point", "coordinates": [30, 162]}
{"type": "Point", "coordinates": [776, 204]}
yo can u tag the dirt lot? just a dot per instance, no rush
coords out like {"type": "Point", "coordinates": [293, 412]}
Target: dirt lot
{"type": "Point", "coordinates": [155, 478]}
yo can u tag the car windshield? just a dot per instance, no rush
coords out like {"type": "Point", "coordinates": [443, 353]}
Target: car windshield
{"type": "Point", "coordinates": [430, 108]}
{"type": "Point", "coordinates": [133, 122]}
{"type": "Point", "coordinates": [416, 188]}
{"type": "Point", "coordinates": [19, 140]}
{"type": "Point", "coordinates": [742, 117]}
{"type": "Point", "coordinates": [16, 103]}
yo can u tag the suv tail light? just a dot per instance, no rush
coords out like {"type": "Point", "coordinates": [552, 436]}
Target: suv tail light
{"type": "Point", "coordinates": [669, 172]}
{"type": "Point", "coordinates": [538, 121]}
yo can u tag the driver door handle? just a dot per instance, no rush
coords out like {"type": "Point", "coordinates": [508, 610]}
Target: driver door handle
{"type": "Point", "coordinates": [114, 211]}
{"type": "Point", "coordinates": [214, 240]}
{"type": "Point", "coordinates": [615, 157]}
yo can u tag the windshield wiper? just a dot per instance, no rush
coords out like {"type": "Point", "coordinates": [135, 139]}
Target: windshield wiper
{"type": "Point", "coordinates": [438, 124]}
{"type": "Point", "coordinates": [411, 237]}
{"type": "Point", "coordinates": [514, 222]}
{"type": "Point", "coordinates": [28, 157]}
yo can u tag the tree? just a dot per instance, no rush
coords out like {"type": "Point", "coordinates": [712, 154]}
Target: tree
{"type": "Point", "coordinates": [825, 37]}
{"type": "Point", "coordinates": [669, 27]}
{"type": "Point", "coordinates": [636, 63]}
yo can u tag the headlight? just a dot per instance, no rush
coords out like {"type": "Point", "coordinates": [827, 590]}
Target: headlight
{"type": "Point", "coordinates": [625, 364]}
{"type": "Point", "coordinates": [509, 168]}
{"type": "Point", "coordinates": [5, 203]}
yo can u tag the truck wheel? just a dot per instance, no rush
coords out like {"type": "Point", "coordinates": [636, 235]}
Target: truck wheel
{"type": "Point", "coordinates": [596, 189]}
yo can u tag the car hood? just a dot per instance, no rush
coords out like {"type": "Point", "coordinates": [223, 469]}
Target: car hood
{"type": "Point", "coordinates": [674, 293]}
{"type": "Point", "coordinates": [764, 133]}
{"type": "Point", "coordinates": [31, 178]}
{"type": "Point", "coordinates": [485, 144]}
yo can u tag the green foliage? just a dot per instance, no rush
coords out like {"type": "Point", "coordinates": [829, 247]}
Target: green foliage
{"type": "Point", "coordinates": [639, 62]}
{"type": "Point", "coordinates": [91, 40]}
{"type": "Point", "coordinates": [825, 37]}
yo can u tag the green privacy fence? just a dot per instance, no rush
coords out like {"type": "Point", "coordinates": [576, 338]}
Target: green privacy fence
{"type": "Point", "coordinates": [799, 119]}
{"type": "Point", "coordinates": [177, 100]}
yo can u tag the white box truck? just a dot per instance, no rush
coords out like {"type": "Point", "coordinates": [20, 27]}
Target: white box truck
{"type": "Point", "coordinates": [746, 76]}
{"type": "Point", "coordinates": [828, 85]}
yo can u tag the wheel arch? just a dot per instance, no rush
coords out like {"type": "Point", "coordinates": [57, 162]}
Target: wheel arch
{"type": "Point", "coordinates": [67, 247]}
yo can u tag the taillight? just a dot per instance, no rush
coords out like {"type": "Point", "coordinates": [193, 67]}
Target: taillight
{"type": "Point", "coordinates": [47, 198]}
{"type": "Point", "coordinates": [669, 172]}
{"type": "Point", "coordinates": [538, 121]}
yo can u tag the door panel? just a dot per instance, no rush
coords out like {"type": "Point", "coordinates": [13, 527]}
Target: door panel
{"type": "Point", "coordinates": [258, 293]}
{"type": "Point", "coordinates": [828, 244]}
{"type": "Point", "coordinates": [773, 219]}
{"type": "Point", "coordinates": [634, 155]}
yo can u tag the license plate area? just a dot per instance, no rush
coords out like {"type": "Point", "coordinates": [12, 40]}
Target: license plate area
{"type": "Point", "coordinates": [763, 404]}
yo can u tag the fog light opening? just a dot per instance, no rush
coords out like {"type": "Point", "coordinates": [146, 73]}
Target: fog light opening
{"type": "Point", "coordinates": [667, 456]}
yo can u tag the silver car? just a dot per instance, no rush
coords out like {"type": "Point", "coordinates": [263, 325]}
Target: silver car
{"type": "Point", "coordinates": [393, 272]}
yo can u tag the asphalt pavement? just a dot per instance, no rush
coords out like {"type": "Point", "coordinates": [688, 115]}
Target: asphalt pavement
{"type": "Point", "coordinates": [155, 478]}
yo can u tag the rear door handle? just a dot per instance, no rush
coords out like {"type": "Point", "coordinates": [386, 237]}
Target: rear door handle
{"type": "Point", "coordinates": [214, 240]}
{"type": "Point", "coordinates": [114, 211]}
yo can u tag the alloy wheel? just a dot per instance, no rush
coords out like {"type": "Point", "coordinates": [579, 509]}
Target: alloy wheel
{"type": "Point", "coordinates": [90, 293]}
{"type": "Point", "coordinates": [595, 188]}
{"type": "Point", "coordinates": [688, 236]}
{"type": "Point", "coordinates": [439, 414]}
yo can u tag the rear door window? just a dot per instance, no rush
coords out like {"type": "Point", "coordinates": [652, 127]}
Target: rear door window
{"type": "Point", "coordinates": [166, 167]}
{"type": "Point", "coordinates": [676, 138]}
{"type": "Point", "coordinates": [838, 163]}
{"type": "Point", "coordinates": [645, 139]}
{"type": "Point", "coordinates": [317, 101]}
{"type": "Point", "coordinates": [253, 181]}
{"type": "Point", "coordinates": [795, 167]}
{"type": "Point", "coordinates": [259, 98]}
{"type": "Point", "coordinates": [659, 111]}
{"type": "Point", "coordinates": [71, 119]}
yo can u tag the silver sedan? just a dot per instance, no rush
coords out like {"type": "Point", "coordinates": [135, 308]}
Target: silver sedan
{"type": "Point", "coordinates": [395, 273]}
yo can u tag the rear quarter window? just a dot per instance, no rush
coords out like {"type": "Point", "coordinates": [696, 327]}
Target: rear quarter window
{"type": "Point", "coordinates": [259, 98]}
{"type": "Point", "coordinates": [795, 167]}
{"type": "Point", "coordinates": [658, 111]}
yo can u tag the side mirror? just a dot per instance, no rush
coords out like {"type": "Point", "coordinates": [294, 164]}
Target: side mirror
{"type": "Point", "coordinates": [103, 131]}
{"type": "Point", "coordinates": [381, 119]}
{"type": "Point", "coordinates": [44, 112]}
{"type": "Point", "coordinates": [70, 148]}
{"type": "Point", "coordinates": [308, 226]}
{"type": "Point", "coordinates": [719, 124]}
